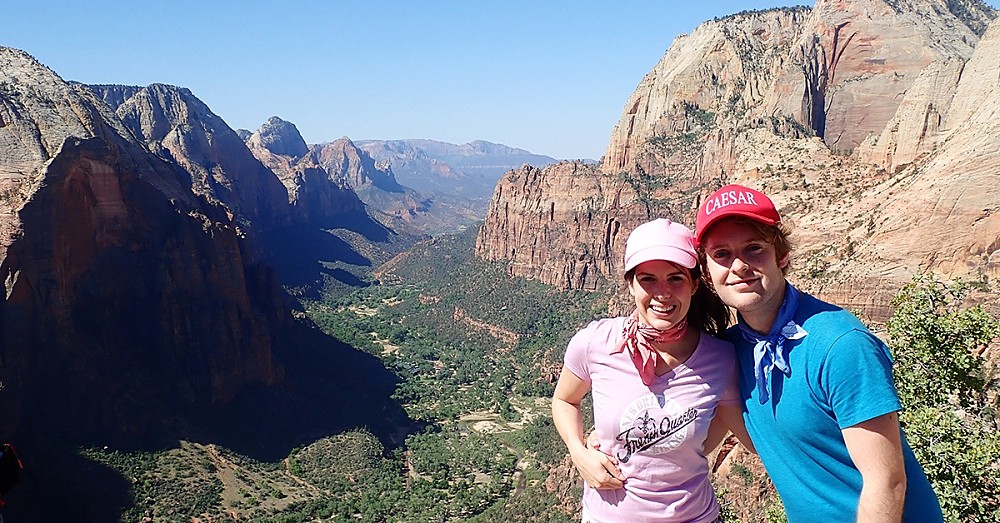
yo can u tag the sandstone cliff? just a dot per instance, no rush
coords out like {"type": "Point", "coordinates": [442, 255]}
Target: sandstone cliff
{"type": "Point", "coordinates": [565, 225]}
{"type": "Point", "coordinates": [180, 128]}
{"type": "Point", "coordinates": [869, 122]}
{"type": "Point", "coordinates": [941, 213]}
{"type": "Point", "coordinates": [127, 294]}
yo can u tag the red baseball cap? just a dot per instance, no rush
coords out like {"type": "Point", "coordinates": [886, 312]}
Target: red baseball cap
{"type": "Point", "coordinates": [660, 239]}
{"type": "Point", "coordinates": [735, 200]}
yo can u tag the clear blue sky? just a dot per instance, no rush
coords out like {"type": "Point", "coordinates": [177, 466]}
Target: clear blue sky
{"type": "Point", "coordinates": [548, 76]}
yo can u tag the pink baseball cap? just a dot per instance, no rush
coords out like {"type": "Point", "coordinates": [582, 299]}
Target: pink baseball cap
{"type": "Point", "coordinates": [660, 239]}
{"type": "Point", "coordinates": [735, 200]}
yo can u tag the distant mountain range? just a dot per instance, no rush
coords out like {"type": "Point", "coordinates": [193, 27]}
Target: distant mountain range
{"type": "Point", "coordinates": [460, 172]}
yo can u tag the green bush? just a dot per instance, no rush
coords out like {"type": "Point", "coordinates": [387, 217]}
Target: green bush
{"type": "Point", "coordinates": [949, 394]}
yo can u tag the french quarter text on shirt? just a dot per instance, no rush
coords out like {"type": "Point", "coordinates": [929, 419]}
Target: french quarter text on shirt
{"type": "Point", "coordinates": [729, 198]}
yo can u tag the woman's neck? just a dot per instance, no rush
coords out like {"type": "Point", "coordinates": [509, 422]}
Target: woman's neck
{"type": "Point", "coordinates": [676, 353]}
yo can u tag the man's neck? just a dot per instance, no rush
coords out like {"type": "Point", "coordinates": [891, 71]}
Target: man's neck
{"type": "Point", "coordinates": [762, 319]}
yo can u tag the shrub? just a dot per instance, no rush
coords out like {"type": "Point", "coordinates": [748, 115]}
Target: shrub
{"type": "Point", "coordinates": [948, 395]}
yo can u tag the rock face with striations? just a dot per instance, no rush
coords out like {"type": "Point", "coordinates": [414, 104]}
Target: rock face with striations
{"type": "Point", "coordinates": [855, 60]}
{"type": "Point", "coordinates": [564, 225]}
{"type": "Point", "coordinates": [128, 295]}
{"type": "Point", "coordinates": [871, 123]}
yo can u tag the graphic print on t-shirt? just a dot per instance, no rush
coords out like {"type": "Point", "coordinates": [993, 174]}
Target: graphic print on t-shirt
{"type": "Point", "coordinates": [653, 424]}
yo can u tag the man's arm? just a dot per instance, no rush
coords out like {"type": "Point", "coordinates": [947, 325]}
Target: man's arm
{"type": "Point", "coordinates": [877, 452]}
{"type": "Point", "coordinates": [728, 418]}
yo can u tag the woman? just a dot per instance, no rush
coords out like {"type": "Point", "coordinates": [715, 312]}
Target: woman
{"type": "Point", "coordinates": [661, 384]}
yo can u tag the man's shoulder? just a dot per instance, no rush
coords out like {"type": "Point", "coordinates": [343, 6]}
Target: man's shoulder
{"type": "Point", "coordinates": [825, 316]}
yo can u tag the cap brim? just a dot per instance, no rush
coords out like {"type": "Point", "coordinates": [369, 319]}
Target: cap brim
{"type": "Point", "coordinates": [661, 252]}
{"type": "Point", "coordinates": [728, 214]}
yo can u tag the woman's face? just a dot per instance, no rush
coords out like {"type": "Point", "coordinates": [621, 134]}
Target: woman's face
{"type": "Point", "coordinates": [662, 292]}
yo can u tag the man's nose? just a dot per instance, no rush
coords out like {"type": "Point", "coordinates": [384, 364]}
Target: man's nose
{"type": "Point", "coordinates": [738, 265]}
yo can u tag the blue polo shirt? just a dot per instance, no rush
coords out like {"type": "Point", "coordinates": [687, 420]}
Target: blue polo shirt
{"type": "Point", "coordinates": [841, 375]}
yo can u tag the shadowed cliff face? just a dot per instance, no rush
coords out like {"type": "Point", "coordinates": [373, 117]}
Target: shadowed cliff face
{"type": "Point", "coordinates": [127, 294]}
{"type": "Point", "coordinates": [136, 299]}
{"type": "Point", "coordinates": [112, 290]}
{"type": "Point", "coordinates": [855, 118]}
{"type": "Point", "coordinates": [137, 308]}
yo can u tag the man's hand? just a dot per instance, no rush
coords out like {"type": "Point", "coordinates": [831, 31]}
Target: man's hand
{"type": "Point", "coordinates": [598, 469]}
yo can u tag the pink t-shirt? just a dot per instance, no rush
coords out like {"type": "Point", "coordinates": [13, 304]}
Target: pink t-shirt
{"type": "Point", "coordinates": [656, 432]}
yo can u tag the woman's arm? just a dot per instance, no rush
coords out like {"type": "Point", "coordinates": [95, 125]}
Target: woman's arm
{"type": "Point", "coordinates": [728, 418]}
{"type": "Point", "coordinates": [597, 469]}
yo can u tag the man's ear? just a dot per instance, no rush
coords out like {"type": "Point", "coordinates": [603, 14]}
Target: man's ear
{"type": "Point", "coordinates": [783, 262]}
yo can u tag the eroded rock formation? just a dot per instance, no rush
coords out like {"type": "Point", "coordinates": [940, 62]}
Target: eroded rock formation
{"type": "Point", "coordinates": [316, 194]}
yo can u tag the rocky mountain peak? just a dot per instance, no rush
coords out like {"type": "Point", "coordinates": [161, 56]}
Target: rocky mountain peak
{"type": "Point", "coordinates": [128, 295]}
{"type": "Point", "coordinates": [177, 126]}
{"type": "Point", "coordinates": [353, 164]}
{"type": "Point", "coordinates": [279, 137]}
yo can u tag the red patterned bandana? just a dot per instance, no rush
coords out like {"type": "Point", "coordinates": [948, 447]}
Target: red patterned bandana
{"type": "Point", "coordinates": [639, 337]}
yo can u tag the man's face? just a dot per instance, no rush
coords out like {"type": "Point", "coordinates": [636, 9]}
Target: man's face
{"type": "Point", "coordinates": [745, 271]}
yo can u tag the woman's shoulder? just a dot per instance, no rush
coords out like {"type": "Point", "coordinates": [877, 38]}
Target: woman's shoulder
{"type": "Point", "coordinates": [602, 330]}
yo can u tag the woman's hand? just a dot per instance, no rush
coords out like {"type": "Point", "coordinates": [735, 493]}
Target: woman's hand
{"type": "Point", "coordinates": [598, 469]}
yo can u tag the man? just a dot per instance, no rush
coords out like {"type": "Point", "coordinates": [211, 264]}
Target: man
{"type": "Point", "coordinates": [816, 386]}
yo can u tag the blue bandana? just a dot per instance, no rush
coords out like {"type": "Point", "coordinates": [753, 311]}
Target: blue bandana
{"type": "Point", "coordinates": [769, 351]}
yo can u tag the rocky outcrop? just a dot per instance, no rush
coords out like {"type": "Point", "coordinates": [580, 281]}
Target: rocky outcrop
{"type": "Point", "coordinates": [402, 208]}
{"type": "Point", "coordinates": [356, 166]}
{"type": "Point", "coordinates": [915, 129]}
{"type": "Point", "coordinates": [871, 124]}
{"type": "Point", "coordinates": [943, 214]}
{"type": "Point", "coordinates": [564, 225]}
{"type": "Point", "coordinates": [316, 195]}
{"type": "Point", "coordinates": [129, 297]}
{"type": "Point", "coordinates": [699, 94]}
{"type": "Point", "coordinates": [280, 138]}
{"type": "Point", "coordinates": [855, 60]}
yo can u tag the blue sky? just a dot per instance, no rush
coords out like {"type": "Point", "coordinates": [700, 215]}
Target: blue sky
{"type": "Point", "coordinates": [548, 76]}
